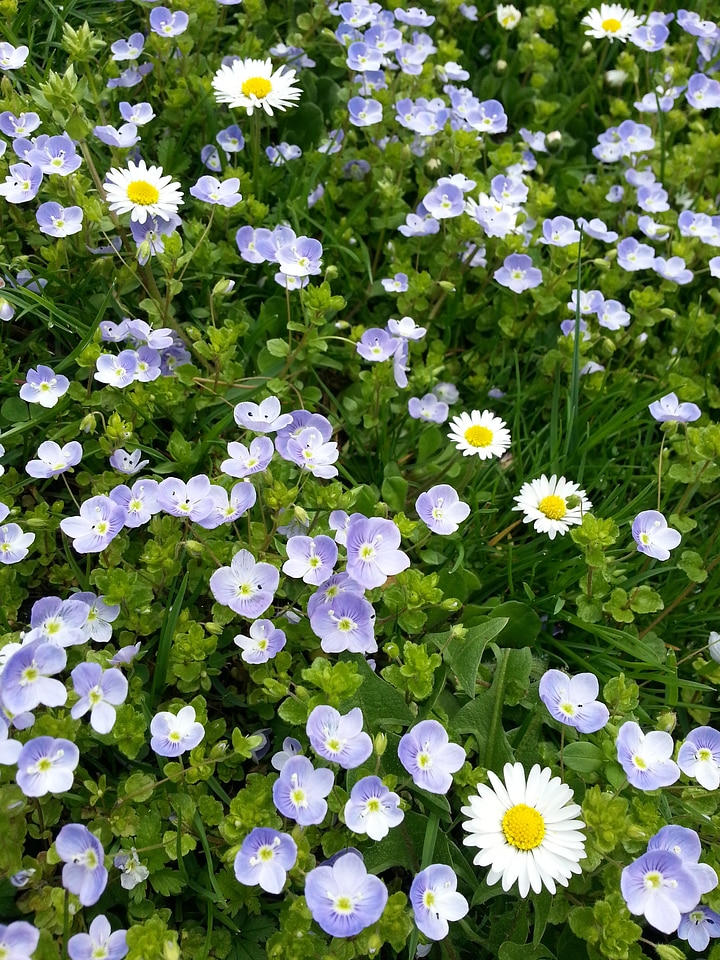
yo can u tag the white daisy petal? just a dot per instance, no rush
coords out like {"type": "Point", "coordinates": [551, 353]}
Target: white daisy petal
{"type": "Point", "coordinates": [142, 192]}
{"type": "Point", "coordinates": [480, 434]}
{"type": "Point", "coordinates": [547, 504]}
{"type": "Point", "coordinates": [254, 85]}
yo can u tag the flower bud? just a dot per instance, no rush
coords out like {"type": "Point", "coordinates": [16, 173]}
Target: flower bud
{"type": "Point", "coordinates": [223, 287]}
{"type": "Point", "coordinates": [88, 423]}
{"type": "Point", "coordinates": [714, 646]}
{"type": "Point", "coordinates": [554, 140]}
{"type": "Point", "coordinates": [666, 721]}
{"type": "Point", "coordinates": [380, 744]}
{"type": "Point", "coordinates": [500, 66]}
{"type": "Point", "coordinates": [171, 951]}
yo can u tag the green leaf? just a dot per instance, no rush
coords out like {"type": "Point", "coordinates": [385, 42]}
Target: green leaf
{"type": "Point", "coordinates": [304, 126]}
{"type": "Point", "coordinates": [168, 883]}
{"type": "Point", "coordinates": [464, 654]}
{"type": "Point", "coordinates": [15, 410]}
{"type": "Point", "coordinates": [522, 626]}
{"type": "Point", "coordinates": [523, 951]}
{"type": "Point", "coordinates": [380, 702]}
{"type": "Point", "coordinates": [583, 757]}
{"type": "Point", "coordinates": [277, 347]}
{"type": "Point", "coordinates": [293, 711]}
{"type": "Point", "coordinates": [394, 490]}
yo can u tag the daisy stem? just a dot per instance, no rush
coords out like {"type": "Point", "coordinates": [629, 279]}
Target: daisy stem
{"type": "Point", "coordinates": [256, 154]}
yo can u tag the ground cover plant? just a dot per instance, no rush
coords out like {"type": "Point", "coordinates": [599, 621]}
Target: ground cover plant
{"type": "Point", "coordinates": [359, 480]}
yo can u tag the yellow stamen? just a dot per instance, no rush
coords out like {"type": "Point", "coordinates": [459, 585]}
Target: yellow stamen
{"type": "Point", "coordinates": [143, 193]}
{"type": "Point", "coordinates": [524, 827]}
{"type": "Point", "coordinates": [553, 507]}
{"type": "Point", "coordinates": [256, 87]}
{"type": "Point", "coordinates": [611, 25]}
{"type": "Point", "coordinates": [478, 436]}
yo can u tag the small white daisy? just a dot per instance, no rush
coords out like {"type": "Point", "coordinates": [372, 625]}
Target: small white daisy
{"type": "Point", "coordinates": [253, 84]}
{"type": "Point", "coordinates": [612, 21]}
{"type": "Point", "coordinates": [552, 505]}
{"type": "Point", "coordinates": [142, 192]}
{"type": "Point", "coordinates": [482, 434]}
{"type": "Point", "coordinates": [526, 830]}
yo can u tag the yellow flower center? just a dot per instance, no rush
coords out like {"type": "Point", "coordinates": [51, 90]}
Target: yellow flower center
{"type": "Point", "coordinates": [429, 899]}
{"type": "Point", "coordinates": [704, 754]}
{"type": "Point", "coordinates": [611, 25]}
{"type": "Point", "coordinates": [523, 826]}
{"type": "Point", "coordinates": [479, 436]}
{"type": "Point", "coordinates": [266, 853]}
{"type": "Point", "coordinates": [343, 905]}
{"type": "Point", "coordinates": [256, 87]}
{"type": "Point", "coordinates": [373, 805]}
{"type": "Point", "coordinates": [143, 193]}
{"type": "Point", "coordinates": [639, 762]}
{"type": "Point", "coordinates": [653, 880]}
{"type": "Point", "coordinates": [553, 507]}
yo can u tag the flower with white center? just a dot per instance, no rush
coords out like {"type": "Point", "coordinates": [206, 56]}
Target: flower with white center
{"type": "Point", "coordinates": [264, 859]}
{"type": "Point", "coordinates": [646, 757]}
{"type": "Point", "coordinates": [99, 943]}
{"type": "Point", "coordinates": [46, 765]}
{"type": "Point", "coordinates": [142, 192]}
{"type": "Point", "coordinates": [612, 21]}
{"type": "Point", "coordinates": [84, 873]}
{"type": "Point", "coordinates": [653, 536]}
{"type": "Point", "coordinates": [659, 886]}
{"type": "Point", "coordinates": [100, 691]}
{"type": "Point", "coordinates": [699, 757]}
{"type": "Point", "coordinates": [428, 756]}
{"type": "Point", "coordinates": [263, 417]}
{"type": "Point", "coordinates": [372, 808]}
{"type": "Point", "coordinates": [480, 434]}
{"type": "Point", "coordinates": [264, 642]}
{"type": "Point", "coordinates": [526, 829]}
{"type": "Point", "coordinates": [435, 900]}
{"type": "Point", "coordinates": [254, 85]}
{"type": "Point", "coordinates": [572, 700]}
{"type": "Point", "coordinates": [344, 898]}
{"type": "Point", "coordinates": [508, 16]}
{"type": "Point", "coordinates": [132, 871]}
{"type": "Point", "coordinates": [43, 386]}
{"type": "Point", "coordinates": [441, 509]}
{"type": "Point", "coordinates": [173, 735]}
{"type": "Point", "coordinates": [552, 505]}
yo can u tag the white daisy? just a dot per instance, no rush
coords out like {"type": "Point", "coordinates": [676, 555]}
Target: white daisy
{"type": "Point", "coordinates": [552, 505]}
{"type": "Point", "coordinates": [612, 21]}
{"type": "Point", "coordinates": [482, 434]}
{"type": "Point", "coordinates": [142, 192]}
{"type": "Point", "coordinates": [253, 84]}
{"type": "Point", "coordinates": [526, 831]}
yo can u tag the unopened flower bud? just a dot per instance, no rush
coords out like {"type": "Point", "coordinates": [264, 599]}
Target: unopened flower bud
{"type": "Point", "coordinates": [380, 744]}
{"type": "Point", "coordinates": [194, 547]}
{"type": "Point", "coordinates": [88, 423]}
{"type": "Point", "coordinates": [500, 66]}
{"type": "Point", "coordinates": [171, 951]}
{"type": "Point", "coordinates": [554, 140]}
{"type": "Point", "coordinates": [666, 721]}
{"type": "Point", "coordinates": [223, 287]}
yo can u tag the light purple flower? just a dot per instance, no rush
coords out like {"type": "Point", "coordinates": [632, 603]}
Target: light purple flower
{"type": "Point", "coordinates": [100, 521]}
{"type": "Point", "coordinates": [372, 808]}
{"type": "Point", "coordinates": [224, 193]}
{"type": "Point", "coordinates": [596, 229]}
{"type": "Point", "coordinates": [699, 757]}
{"type": "Point", "coordinates": [446, 201]}
{"type": "Point", "coordinates": [27, 677]}
{"type": "Point", "coordinates": [100, 691]}
{"type": "Point", "coordinates": [57, 221]}
{"type": "Point", "coordinates": [148, 237]}
{"type": "Point", "coordinates": [125, 655]}
{"type": "Point", "coordinates": [123, 137]}
{"type": "Point", "coordinates": [132, 872]}
{"type": "Point", "coordinates": [137, 113]}
{"type": "Point", "coordinates": [310, 451]}
{"type": "Point", "coordinates": [46, 765]}
{"type": "Point", "coordinates": [98, 942]}
{"type": "Point", "coordinates": [168, 23]}
{"type": "Point", "coordinates": [672, 269]}
{"type": "Point", "coordinates": [54, 459]}
{"type": "Point", "coordinates": [428, 408]}
{"type": "Point", "coordinates": [300, 790]}
{"type": "Point", "coordinates": [435, 900]}
{"type": "Point", "coordinates": [291, 748]}
{"type": "Point", "coordinates": [658, 886]}
{"type": "Point", "coordinates": [646, 758]}
{"type": "Point", "coordinates": [488, 117]}
{"type": "Point", "coordinates": [632, 255]}
{"type": "Point", "coordinates": [406, 329]}
{"type": "Point", "coordinates": [447, 392]}
{"type": "Point", "coordinates": [668, 408]}
{"type": "Point", "coordinates": [62, 622]}
{"type": "Point", "coordinates": [55, 155]}
{"type": "Point", "coordinates": [653, 536]}
{"type": "Point", "coordinates": [396, 284]}
{"type": "Point", "coordinates": [190, 500]}
{"type": "Point", "coordinates": [441, 509]}
{"type": "Point", "coordinates": [23, 182]}
{"type": "Point", "coordinates": [264, 642]}
{"type": "Point", "coordinates": [338, 737]}
{"type": "Point", "coordinates": [282, 153]}
{"type": "Point", "coordinates": [118, 371]}
{"type": "Point", "coordinates": [301, 258]}
{"type": "Point", "coordinates": [84, 873]}
{"type": "Point", "coordinates": [346, 622]}
{"type": "Point", "coordinates": [128, 463]}
{"type": "Point", "coordinates": [100, 617]}
{"type": "Point", "coordinates": [377, 345]}
{"type": "Point", "coordinates": [130, 77]}
{"type": "Point", "coordinates": [702, 92]}
{"type": "Point", "coordinates": [685, 843]}
{"type": "Point", "coordinates": [612, 315]}
{"type": "Point", "coordinates": [264, 417]}
{"type": "Point", "coordinates": [140, 502]}
{"type": "Point", "coordinates": [573, 700]}
{"type": "Point", "coordinates": [14, 543]}
{"type": "Point", "coordinates": [20, 125]}
{"type": "Point", "coordinates": [560, 232]}
{"type": "Point", "coordinates": [714, 264]}
{"type": "Point", "coordinates": [429, 757]}
{"type": "Point", "coordinates": [311, 558]}
{"type": "Point", "coordinates": [228, 507]}
{"type": "Point", "coordinates": [518, 273]}
{"type": "Point", "coordinates": [231, 139]}
{"type": "Point", "coordinates": [43, 386]}
{"type": "Point", "coordinates": [18, 940]}
{"type": "Point", "coordinates": [128, 49]}
{"type": "Point", "coordinates": [173, 734]}
{"type": "Point", "coordinates": [698, 926]}
{"type": "Point", "coordinates": [264, 859]}
{"type": "Point", "coordinates": [364, 112]}
{"type": "Point", "coordinates": [246, 586]}
{"type": "Point", "coordinates": [372, 550]}
{"type": "Point", "coordinates": [344, 898]}
{"type": "Point", "coordinates": [244, 462]}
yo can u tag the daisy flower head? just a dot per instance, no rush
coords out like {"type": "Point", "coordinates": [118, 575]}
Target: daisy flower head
{"type": "Point", "coordinates": [526, 829]}
{"type": "Point", "coordinates": [253, 84]}
{"type": "Point", "coordinates": [142, 192]}
{"type": "Point", "coordinates": [552, 504]}
{"type": "Point", "coordinates": [612, 21]}
{"type": "Point", "coordinates": [482, 434]}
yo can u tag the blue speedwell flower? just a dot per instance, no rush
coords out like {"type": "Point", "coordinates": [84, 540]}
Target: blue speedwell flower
{"type": "Point", "coordinates": [19, 939]}
{"type": "Point", "coordinates": [659, 886]}
{"type": "Point", "coordinates": [264, 859]}
{"type": "Point", "coordinates": [100, 691]}
{"type": "Point", "coordinates": [344, 898]}
{"type": "Point", "coordinates": [441, 510]}
{"type": "Point", "coordinates": [52, 459]}
{"type": "Point", "coordinates": [339, 738]}
{"type": "Point", "coordinates": [573, 700]}
{"type": "Point", "coordinates": [300, 790]}
{"type": "Point", "coordinates": [372, 808]}
{"type": "Point", "coordinates": [99, 941]}
{"type": "Point", "coordinates": [84, 873]}
{"type": "Point", "coordinates": [311, 558]}
{"type": "Point", "coordinates": [265, 641]}
{"type": "Point", "coordinates": [653, 536]}
{"type": "Point", "coordinates": [46, 765]}
{"type": "Point", "coordinates": [699, 757]}
{"type": "Point", "coordinates": [435, 900]}
{"type": "Point", "coordinates": [429, 757]}
{"type": "Point", "coordinates": [372, 550]}
{"type": "Point", "coordinates": [645, 758]}
{"type": "Point", "coordinates": [246, 586]}
{"type": "Point", "coordinates": [173, 735]}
